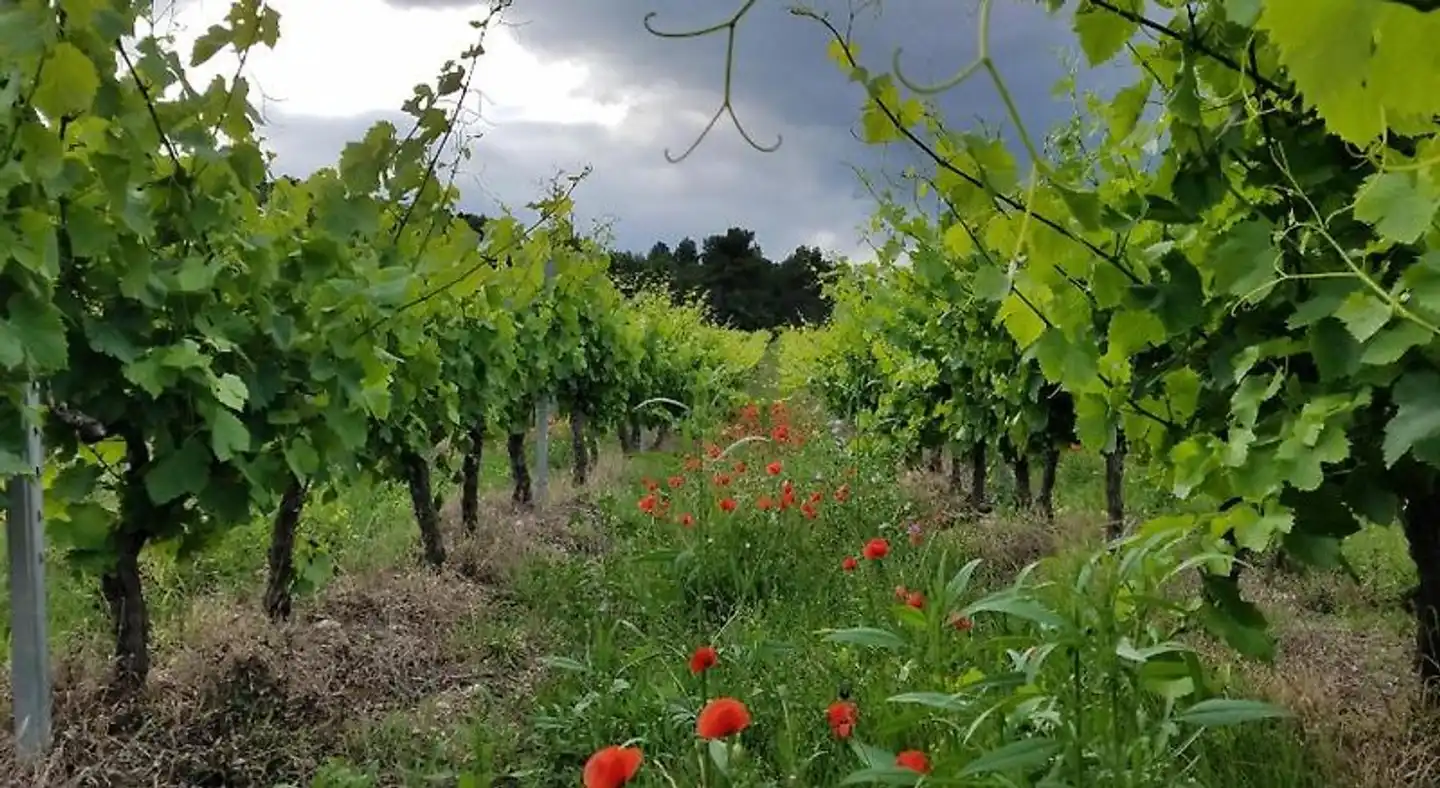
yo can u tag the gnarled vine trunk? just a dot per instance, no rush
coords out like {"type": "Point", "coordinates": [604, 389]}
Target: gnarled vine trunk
{"type": "Point", "coordinates": [937, 460]}
{"type": "Point", "coordinates": [422, 500]}
{"type": "Point", "coordinates": [523, 494]}
{"type": "Point", "coordinates": [470, 479]}
{"type": "Point", "coordinates": [278, 586]}
{"type": "Point", "coordinates": [957, 468]}
{"type": "Point", "coordinates": [1115, 488]}
{"type": "Point", "coordinates": [1048, 469]}
{"type": "Point", "coordinates": [124, 594]}
{"type": "Point", "coordinates": [1421, 520]}
{"type": "Point", "coordinates": [580, 469]}
{"type": "Point", "coordinates": [1020, 464]}
{"type": "Point", "coordinates": [122, 586]}
{"type": "Point", "coordinates": [662, 433]}
{"type": "Point", "coordinates": [977, 476]}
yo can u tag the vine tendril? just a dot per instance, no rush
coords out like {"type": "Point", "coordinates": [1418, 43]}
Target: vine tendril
{"type": "Point", "coordinates": [729, 26]}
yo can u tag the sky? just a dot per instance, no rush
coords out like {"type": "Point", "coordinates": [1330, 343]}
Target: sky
{"type": "Point", "coordinates": [570, 83]}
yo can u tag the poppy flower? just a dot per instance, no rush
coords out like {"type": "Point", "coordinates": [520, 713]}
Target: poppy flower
{"type": "Point", "coordinates": [648, 503]}
{"type": "Point", "coordinates": [962, 623]}
{"type": "Point", "coordinates": [650, 484]}
{"type": "Point", "coordinates": [687, 519]}
{"type": "Point", "coordinates": [765, 503]}
{"type": "Point", "coordinates": [774, 468]}
{"type": "Point", "coordinates": [916, 600]}
{"type": "Point", "coordinates": [721, 718]}
{"type": "Point", "coordinates": [740, 467]}
{"type": "Point", "coordinates": [693, 463]}
{"type": "Point", "coordinates": [849, 564]}
{"type": "Point", "coordinates": [817, 497]}
{"type": "Point", "coordinates": [713, 451]}
{"type": "Point", "coordinates": [809, 511]}
{"type": "Point", "coordinates": [612, 767]}
{"type": "Point", "coordinates": [703, 659]}
{"type": "Point", "coordinates": [914, 760]}
{"type": "Point", "coordinates": [722, 480]}
{"type": "Point", "coordinates": [728, 504]}
{"type": "Point", "coordinates": [781, 434]}
{"type": "Point", "coordinates": [676, 481]}
{"type": "Point", "coordinates": [842, 717]}
{"type": "Point", "coordinates": [842, 493]}
{"type": "Point", "coordinates": [875, 549]}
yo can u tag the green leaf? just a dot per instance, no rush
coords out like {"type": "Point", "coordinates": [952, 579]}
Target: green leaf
{"type": "Point", "coordinates": [68, 82]}
{"type": "Point", "coordinates": [1242, 12]}
{"type": "Point", "coordinates": [1104, 33]}
{"type": "Point", "coordinates": [935, 700]}
{"type": "Point", "coordinates": [1245, 260]}
{"type": "Point", "coordinates": [1216, 712]}
{"type": "Point", "coordinates": [209, 43]}
{"type": "Point", "coordinates": [866, 636]}
{"type": "Point", "coordinates": [230, 391]}
{"type": "Point", "coordinates": [1397, 204]}
{"type": "Point", "coordinates": [990, 283]}
{"type": "Point", "coordinates": [1010, 603]}
{"type": "Point", "coordinates": [1363, 314]}
{"type": "Point", "coordinates": [37, 329]}
{"type": "Point", "coordinates": [1022, 755]}
{"type": "Point", "coordinates": [1390, 345]}
{"type": "Point", "coordinates": [1416, 422]}
{"type": "Point", "coordinates": [185, 471]}
{"type": "Point", "coordinates": [228, 436]}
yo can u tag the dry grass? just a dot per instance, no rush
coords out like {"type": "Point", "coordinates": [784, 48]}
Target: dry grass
{"type": "Point", "coordinates": [1349, 683]}
{"type": "Point", "coordinates": [242, 702]}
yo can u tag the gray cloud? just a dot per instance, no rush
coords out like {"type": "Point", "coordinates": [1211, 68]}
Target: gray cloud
{"type": "Point", "coordinates": [784, 85]}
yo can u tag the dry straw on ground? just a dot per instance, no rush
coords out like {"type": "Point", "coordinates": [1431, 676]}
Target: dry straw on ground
{"type": "Point", "coordinates": [241, 702]}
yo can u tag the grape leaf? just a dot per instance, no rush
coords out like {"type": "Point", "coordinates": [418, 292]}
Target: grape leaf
{"type": "Point", "coordinates": [1397, 204]}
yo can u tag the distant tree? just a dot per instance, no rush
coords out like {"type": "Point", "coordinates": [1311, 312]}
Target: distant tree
{"type": "Point", "coordinates": [730, 272]}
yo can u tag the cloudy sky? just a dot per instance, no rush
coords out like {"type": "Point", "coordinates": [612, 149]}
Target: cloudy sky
{"type": "Point", "coordinates": [566, 83]}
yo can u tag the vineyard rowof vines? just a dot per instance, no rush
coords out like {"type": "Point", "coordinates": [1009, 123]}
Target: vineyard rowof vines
{"type": "Point", "coordinates": [1223, 280]}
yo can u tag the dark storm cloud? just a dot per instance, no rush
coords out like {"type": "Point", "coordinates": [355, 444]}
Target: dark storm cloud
{"type": "Point", "coordinates": [784, 84]}
{"type": "Point", "coordinates": [787, 199]}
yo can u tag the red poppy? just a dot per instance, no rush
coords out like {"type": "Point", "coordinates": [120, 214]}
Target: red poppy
{"type": "Point", "coordinates": [650, 484]}
{"type": "Point", "coordinates": [687, 519]}
{"type": "Point", "coordinates": [647, 504]}
{"type": "Point", "coordinates": [676, 481]}
{"type": "Point", "coordinates": [740, 466]}
{"type": "Point", "coordinates": [842, 717]}
{"type": "Point", "coordinates": [914, 760]}
{"type": "Point", "coordinates": [916, 600]}
{"type": "Point", "coordinates": [693, 463]}
{"type": "Point", "coordinates": [875, 549]}
{"type": "Point", "coordinates": [703, 659]}
{"type": "Point", "coordinates": [817, 497]}
{"type": "Point", "coordinates": [765, 503]}
{"type": "Point", "coordinates": [842, 493]}
{"type": "Point", "coordinates": [612, 767]}
{"type": "Point", "coordinates": [781, 434]}
{"type": "Point", "coordinates": [849, 564]}
{"type": "Point", "coordinates": [713, 451]}
{"type": "Point", "coordinates": [728, 504]}
{"type": "Point", "coordinates": [722, 480]}
{"type": "Point", "coordinates": [774, 468]}
{"type": "Point", "coordinates": [962, 623]}
{"type": "Point", "coordinates": [722, 717]}
{"type": "Point", "coordinates": [809, 511]}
